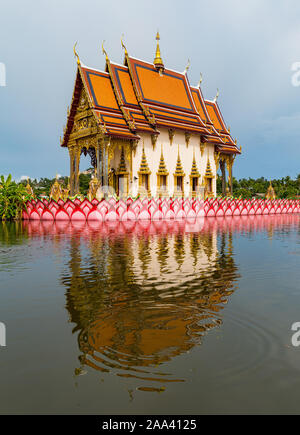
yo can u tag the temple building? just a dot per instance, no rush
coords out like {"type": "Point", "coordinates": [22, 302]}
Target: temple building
{"type": "Point", "coordinates": [147, 131]}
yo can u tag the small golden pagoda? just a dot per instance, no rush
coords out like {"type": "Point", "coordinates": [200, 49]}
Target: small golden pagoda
{"type": "Point", "coordinates": [194, 177]}
{"type": "Point", "coordinates": [208, 177]}
{"type": "Point", "coordinates": [162, 176]}
{"type": "Point", "coordinates": [179, 177]}
{"type": "Point", "coordinates": [144, 175]}
{"type": "Point", "coordinates": [270, 192]}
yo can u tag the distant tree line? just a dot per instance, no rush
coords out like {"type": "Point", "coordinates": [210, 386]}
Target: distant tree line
{"type": "Point", "coordinates": [284, 187]}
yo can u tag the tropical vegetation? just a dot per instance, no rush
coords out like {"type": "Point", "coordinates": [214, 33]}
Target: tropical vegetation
{"type": "Point", "coordinates": [284, 187]}
{"type": "Point", "coordinates": [13, 197]}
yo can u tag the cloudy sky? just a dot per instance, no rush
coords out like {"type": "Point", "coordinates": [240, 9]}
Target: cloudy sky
{"type": "Point", "coordinates": [245, 48]}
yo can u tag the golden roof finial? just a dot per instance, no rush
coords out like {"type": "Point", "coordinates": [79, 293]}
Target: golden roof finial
{"type": "Point", "coordinates": [76, 54]}
{"type": "Point", "coordinates": [123, 45]}
{"type": "Point", "coordinates": [158, 60]}
{"type": "Point", "coordinates": [217, 95]}
{"type": "Point", "coordinates": [104, 51]}
{"type": "Point", "coordinates": [200, 81]}
{"type": "Point", "coordinates": [187, 66]}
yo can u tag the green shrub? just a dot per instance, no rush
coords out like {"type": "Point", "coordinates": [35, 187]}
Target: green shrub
{"type": "Point", "coordinates": [13, 197]}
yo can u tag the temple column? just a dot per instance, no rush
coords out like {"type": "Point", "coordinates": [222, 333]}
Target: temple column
{"type": "Point", "coordinates": [229, 163]}
{"type": "Point", "coordinates": [71, 171]}
{"type": "Point", "coordinates": [106, 160]}
{"type": "Point", "coordinates": [223, 170]}
{"type": "Point", "coordinates": [99, 162]}
{"type": "Point", "coordinates": [76, 172]}
{"type": "Point", "coordinates": [231, 180]}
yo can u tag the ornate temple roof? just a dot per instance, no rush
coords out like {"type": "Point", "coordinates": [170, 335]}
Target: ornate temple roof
{"type": "Point", "coordinates": [143, 97]}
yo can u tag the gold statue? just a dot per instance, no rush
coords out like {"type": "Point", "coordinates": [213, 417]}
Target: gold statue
{"type": "Point", "coordinates": [55, 192]}
{"type": "Point", "coordinates": [29, 189]}
{"type": "Point", "coordinates": [270, 192]}
{"type": "Point", "coordinates": [93, 187]}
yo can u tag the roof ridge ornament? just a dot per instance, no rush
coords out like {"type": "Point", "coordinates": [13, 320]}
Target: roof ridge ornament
{"type": "Point", "coordinates": [187, 66]}
{"type": "Point", "coordinates": [123, 45]}
{"type": "Point", "coordinates": [76, 54]}
{"type": "Point", "coordinates": [104, 51]}
{"type": "Point", "coordinates": [217, 96]}
{"type": "Point", "coordinates": [158, 62]}
{"type": "Point", "coordinates": [200, 81]}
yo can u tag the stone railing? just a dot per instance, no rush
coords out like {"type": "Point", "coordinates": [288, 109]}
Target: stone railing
{"type": "Point", "coordinates": [154, 209]}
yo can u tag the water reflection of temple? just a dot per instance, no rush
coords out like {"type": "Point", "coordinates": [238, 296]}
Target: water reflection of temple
{"type": "Point", "coordinates": [139, 300]}
{"type": "Point", "coordinates": [140, 293]}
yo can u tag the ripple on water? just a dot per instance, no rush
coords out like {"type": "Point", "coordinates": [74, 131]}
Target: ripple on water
{"type": "Point", "coordinates": [250, 347]}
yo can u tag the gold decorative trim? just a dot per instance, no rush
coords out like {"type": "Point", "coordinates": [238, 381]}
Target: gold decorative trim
{"type": "Point", "coordinates": [144, 169]}
{"type": "Point", "coordinates": [154, 137]}
{"type": "Point", "coordinates": [171, 132]}
{"type": "Point", "coordinates": [122, 170]}
{"type": "Point", "coordinates": [187, 138]}
{"type": "Point", "coordinates": [217, 159]}
{"type": "Point", "coordinates": [202, 147]}
{"type": "Point", "coordinates": [208, 171]}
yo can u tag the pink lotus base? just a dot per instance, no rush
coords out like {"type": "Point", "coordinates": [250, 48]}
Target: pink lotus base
{"type": "Point", "coordinates": [153, 209]}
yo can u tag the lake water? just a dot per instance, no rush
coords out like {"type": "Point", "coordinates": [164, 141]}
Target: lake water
{"type": "Point", "coordinates": [160, 318]}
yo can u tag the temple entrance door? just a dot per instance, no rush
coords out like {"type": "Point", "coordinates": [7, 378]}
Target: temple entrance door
{"type": "Point", "coordinates": [179, 184]}
{"type": "Point", "coordinates": [122, 185]}
{"type": "Point", "coordinates": [208, 186]}
{"type": "Point", "coordinates": [145, 181]}
{"type": "Point", "coordinates": [194, 184]}
{"type": "Point", "coordinates": [163, 183]}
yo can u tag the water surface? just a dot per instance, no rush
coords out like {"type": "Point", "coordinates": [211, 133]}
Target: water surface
{"type": "Point", "coordinates": [168, 317]}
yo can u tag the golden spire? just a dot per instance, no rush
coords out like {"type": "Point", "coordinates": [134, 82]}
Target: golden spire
{"type": "Point", "coordinates": [179, 171]}
{"type": "Point", "coordinates": [76, 54]}
{"type": "Point", "coordinates": [194, 171]}
{"type": "Point", "coordinates": [162, 169]}
{"type": "Point", "coordinates": [208, 172]}
{"type": "Point", "coordinates": [122, 166]}
{"type": "Point", "coordinates": [144, 169]}
{"type": "Point", "coordinates": [158, 60]}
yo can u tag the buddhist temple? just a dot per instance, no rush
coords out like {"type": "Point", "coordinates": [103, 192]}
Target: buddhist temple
{"type": "Point", "coordinates": [147, 130]}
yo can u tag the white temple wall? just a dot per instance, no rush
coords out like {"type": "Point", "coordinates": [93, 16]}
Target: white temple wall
{"type": "Point", "coordinates": [170, 153]}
